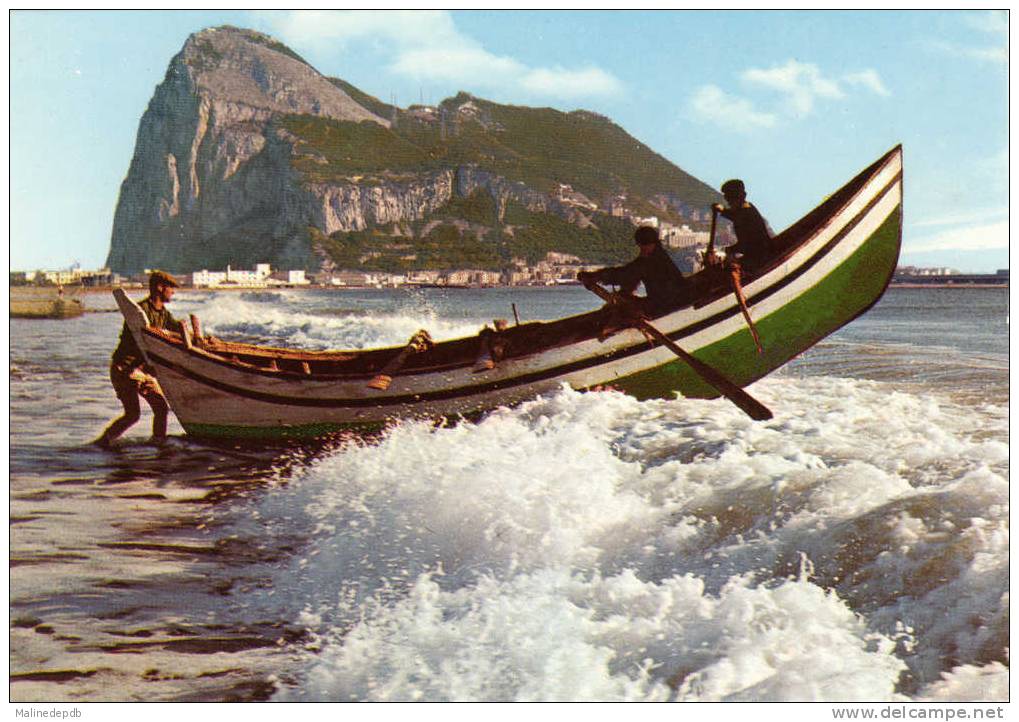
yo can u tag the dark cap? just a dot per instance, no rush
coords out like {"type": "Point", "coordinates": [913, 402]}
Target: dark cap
{"type": "Point", "coordinates": [645, 235]}
{"type": "Point", "coordinates": [164, 278]}
{"type": "Point", "coordinates": [733, 186]}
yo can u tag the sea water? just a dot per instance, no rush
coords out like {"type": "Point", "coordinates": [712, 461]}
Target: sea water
{"type": "Point", "coordinates": [576, 547]}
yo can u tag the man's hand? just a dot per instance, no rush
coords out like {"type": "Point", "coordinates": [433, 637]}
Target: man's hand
{"type": "Point", "coordinates": [717, 208]}
{"type": "Point", "coordinates": [710, 257]}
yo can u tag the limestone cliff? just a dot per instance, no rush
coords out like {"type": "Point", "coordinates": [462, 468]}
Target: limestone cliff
{"type": "Point", "coordinates": [247, 154]}
{"type": "Point", "coordinates": [211, 180]}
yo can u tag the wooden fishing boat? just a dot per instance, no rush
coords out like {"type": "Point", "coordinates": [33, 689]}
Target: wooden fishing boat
{"type": "Point", "coordinates": [829, 267]}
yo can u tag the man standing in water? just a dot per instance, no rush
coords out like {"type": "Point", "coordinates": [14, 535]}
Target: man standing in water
{"type": "Point", "coordinates": [753, 244]}
{"type": "Point", "coordinates": [130, 376]}
{"type": "Point", "coordinates": [663, 282]}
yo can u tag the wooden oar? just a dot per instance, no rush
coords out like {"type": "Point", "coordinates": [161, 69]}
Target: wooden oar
{"type": "Point", "coordinates": [710, 258]}
{"type": "Point", "coordinates": [753, 408]}
{"type": "Point", "coordinates": [737, 288]}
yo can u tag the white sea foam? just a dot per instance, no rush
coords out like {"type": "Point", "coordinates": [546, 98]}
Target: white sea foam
{"type": "Point", "coordinates": [249, 316]}
{"type": "Point", "coordinates": [588, 546]}
{"type": "Point", "coordinates": [970, 683]}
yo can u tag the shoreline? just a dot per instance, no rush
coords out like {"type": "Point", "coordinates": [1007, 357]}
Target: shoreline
{"type": "Point", "coordinates": [72, 291]}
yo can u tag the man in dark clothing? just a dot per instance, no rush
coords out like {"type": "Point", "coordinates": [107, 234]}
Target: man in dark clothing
{"type": "Point", "coordinates": [129, 374]}
{"type": "Point", "coordinates": [753, 245]}
{"type": "Point", "coordinates": [663, 282]}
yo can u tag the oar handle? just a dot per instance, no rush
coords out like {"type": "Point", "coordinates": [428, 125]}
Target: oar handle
{"type": "Point", "coordinates": [751, 406]}
{"type": "Point", "coordinates": [709, 251]}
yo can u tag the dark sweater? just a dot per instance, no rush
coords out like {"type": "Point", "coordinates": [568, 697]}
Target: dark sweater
{"type": "Point", "coordinates": [663, 282]}
{"type": "Point", "coordinates": [127, 352]}
{"type": "Point", "coordinates": [753, 238]}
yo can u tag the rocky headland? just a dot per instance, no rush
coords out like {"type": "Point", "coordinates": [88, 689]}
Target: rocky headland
{"type": "Point", "coordinates": [248, 154]}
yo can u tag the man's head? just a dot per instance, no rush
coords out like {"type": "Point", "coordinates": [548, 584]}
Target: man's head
{"type": "Point", "coordinates": [647, 238]}
{"type": "Point", "coordinates": [734, 191]}
{"type": "Point", "coordinates": [161, 285]}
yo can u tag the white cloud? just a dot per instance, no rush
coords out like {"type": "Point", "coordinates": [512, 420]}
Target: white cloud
{"type": "Point", "coordinates": [993, 49]}
{"type": "Point", "coordinates": [801, 83]}
{"type": "Point", "coordinates": [988, 236]}
{"type": "Point", "coordinates": [868, 79]}
{"type": "Point", "coordinates": [406, 27]}
{"type": "Point", "coordinates": [710, 103]}
{"type": "Point", "coordinates": [969, 218]}
{"type": "Point", "coordinates": [457, 64]}
{"type": "Point", "coordinates": [983, 53]}
{"type": "Point", "coordinates": [570, 83]}
{"type": "Point", "coordinates": [427, 46]}
{"type": "Point", "coordinates": [994, 22]}
{"type": "Point", "coordinates": [799, 86]}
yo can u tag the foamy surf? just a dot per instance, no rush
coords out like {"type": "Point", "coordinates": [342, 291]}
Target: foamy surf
{"type": "Point", "coordinates": [274, 318]}
{"type": "Point", "coordinates": [588, 546]}
{"type": "Point", "coordinates": [574, 547]}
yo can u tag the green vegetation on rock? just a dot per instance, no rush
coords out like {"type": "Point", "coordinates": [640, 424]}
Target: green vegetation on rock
{"type": "Point", "coordinates": [538, 147]}
{"type": "Point", "coordinates": [332, 149]}
{"type": "Point", "coordinates": [607, 240]}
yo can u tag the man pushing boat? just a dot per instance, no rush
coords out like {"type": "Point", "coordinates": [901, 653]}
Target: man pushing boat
{"type": "Point", "coordinates": [129, 374]}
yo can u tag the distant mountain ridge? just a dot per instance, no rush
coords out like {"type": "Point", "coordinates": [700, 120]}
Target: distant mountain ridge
{"type": "Point", "coordinates": [247, 154]}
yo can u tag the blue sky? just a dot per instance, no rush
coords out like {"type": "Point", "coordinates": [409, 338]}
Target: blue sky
{"type": "Point", "coordinates": [793, 102]}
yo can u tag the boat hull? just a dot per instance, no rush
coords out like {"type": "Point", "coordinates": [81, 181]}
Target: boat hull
{"type": "Point", "coordinates": [834, 270]}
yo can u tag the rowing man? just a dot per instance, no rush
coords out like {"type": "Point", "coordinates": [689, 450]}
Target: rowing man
{"type": "Point", "coordinates": [663, 282]}
{"type": "Point", "coordinates": [129, 374]}
{"type": "Point", "coordinates": [753, 244]}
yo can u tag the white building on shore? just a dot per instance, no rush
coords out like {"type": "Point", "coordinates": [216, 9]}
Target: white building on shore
{"type": "Point", "coordinates": [75, 275]}
{"type": "Point", "coordinates": [682, 236]}
{"type": "Point", "coordinates": [261, 277]}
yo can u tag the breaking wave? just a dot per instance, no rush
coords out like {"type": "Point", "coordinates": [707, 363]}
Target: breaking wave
{"type": "Point", "coordinates": [286, 320]}
{"type": "Point", "coordinates": [592, 547]}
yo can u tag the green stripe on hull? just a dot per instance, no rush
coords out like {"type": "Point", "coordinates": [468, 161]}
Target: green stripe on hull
{"type": "Point", "coordinates": [280, 433]}
{"type": "Point", "coordinates": [837, 299]}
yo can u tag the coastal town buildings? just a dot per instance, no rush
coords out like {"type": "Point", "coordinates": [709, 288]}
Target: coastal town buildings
{"type": "Point", "coordinates": [260, 277]}
{"type": "Point", "coordinates": [935, 271]}
{"type": "Point", "coordinates": [555, 268]}
{"type": "Point", "coordinates": [74, 275]}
